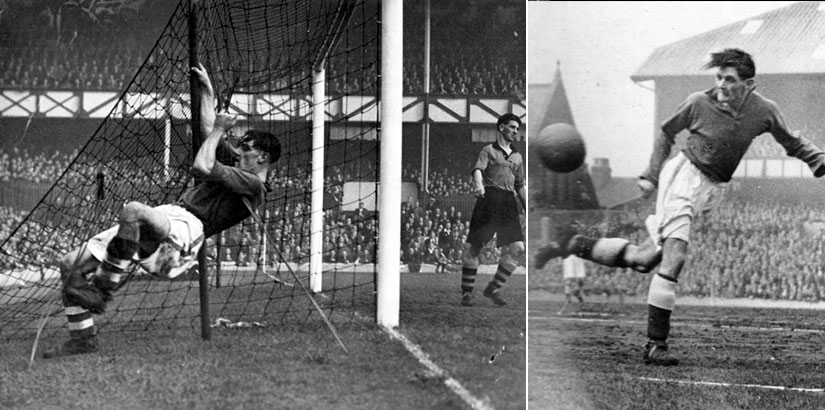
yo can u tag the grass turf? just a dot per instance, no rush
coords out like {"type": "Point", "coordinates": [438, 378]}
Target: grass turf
{"type": "Point", "coordinates": [294, 366]}
{"type": "Point", "coordinates": [590, 357]}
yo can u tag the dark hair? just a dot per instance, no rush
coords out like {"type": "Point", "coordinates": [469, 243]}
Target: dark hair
{"type": "Point", "coordinates": [504, 119]}
{"type": "Point", "coordinates": [266, 142]}
{"type": "Point", "coordinates": [735, 58]}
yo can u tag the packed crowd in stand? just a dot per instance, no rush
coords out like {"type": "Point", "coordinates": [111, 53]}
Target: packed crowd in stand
{"type": "Point", "coordinates": [463, 71]}
{"type": "Point", "coordinates": [433, 234]}
{"type": "Point", "coordinates": [105, 57]}
{"type": "Point", "coordinates": [48, 67]}
{"type": "Point", "coordinates": [36, 168]}
{"type": "Point", "coordinates": [768, 250]}
{"type": "Point", "coordinates": [109, 63]}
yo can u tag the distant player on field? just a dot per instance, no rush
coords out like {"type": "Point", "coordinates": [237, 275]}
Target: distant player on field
{"type": "Point", "coordinates": [498, 179]}
{"type": "Point", "coordinates": [722, 122]}
{"type": "Point", "coordinates": [573, 272]}
{"type": "Point", "coordinates": [165, 240]}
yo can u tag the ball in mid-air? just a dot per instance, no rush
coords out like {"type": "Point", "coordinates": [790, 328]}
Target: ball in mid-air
{"type": "Point", "coordinates": [560, 147]}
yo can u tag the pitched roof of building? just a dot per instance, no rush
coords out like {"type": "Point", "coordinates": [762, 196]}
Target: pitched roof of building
{"type": "Point", "coordinates": [548, 104]}
{"type": "Point", "coordinates": [789, 40]}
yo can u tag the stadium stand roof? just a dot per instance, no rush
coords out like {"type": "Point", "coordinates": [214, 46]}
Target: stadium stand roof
{"type": "Point", "coordinates": [789, 40]}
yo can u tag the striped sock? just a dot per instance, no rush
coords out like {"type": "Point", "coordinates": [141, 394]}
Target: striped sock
{"type": "Point", "coordinates": [81, 324]}
{"type": "Point", "coordinates": [468, 279]}
{"type": "Point", "coordinates": [119, 254]}
{"type": "Point", "coordinates": [502, 274]}
{"type": "Point", "coordinates": [110, 272]}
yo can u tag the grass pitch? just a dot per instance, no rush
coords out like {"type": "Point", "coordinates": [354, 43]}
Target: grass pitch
{"type": "Point", "coordinates": [590, 357]}
{"type": "Point", "coordinates": [294, 366]}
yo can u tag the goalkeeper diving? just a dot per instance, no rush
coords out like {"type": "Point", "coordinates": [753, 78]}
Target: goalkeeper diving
{"type": "Point", "coordinates": [164, 240]}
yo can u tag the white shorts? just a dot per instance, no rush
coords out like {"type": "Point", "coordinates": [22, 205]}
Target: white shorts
{"type": "Point", "coordinates": [684, 193]}
{"type": "Point", "coordinates": [573, 267]}
{"type": "Point", "coordinates": [175, 255]}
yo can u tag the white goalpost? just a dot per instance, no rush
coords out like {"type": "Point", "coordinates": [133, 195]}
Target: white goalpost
{"type": "Point", "coordinates": [317, 199]}
{"type": "Point", "coordinates": [389, 190]}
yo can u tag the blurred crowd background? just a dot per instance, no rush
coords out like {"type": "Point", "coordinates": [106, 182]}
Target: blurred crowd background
{"type": "Point", "coordinates": [770, 249]}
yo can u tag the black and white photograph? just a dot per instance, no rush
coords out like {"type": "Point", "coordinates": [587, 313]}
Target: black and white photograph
{"type": "Point", "coordinates": [263, 204]}
{"type": "Point", "coordinates": [388, 204]}
{"type": "Point", "coordinates": [675, 225]}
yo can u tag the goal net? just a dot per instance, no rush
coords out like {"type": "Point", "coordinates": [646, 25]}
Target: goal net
{"type": "Point", "coordinates": [262, 57]}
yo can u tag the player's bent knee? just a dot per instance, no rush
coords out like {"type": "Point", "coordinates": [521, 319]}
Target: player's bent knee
{"type": "Point", "coordinates": [508, 262]}
{"type": "Point", "coordinates": [517, 249]}
{"type": "Point", "coordinates": [513, 253]}
{"type": "Point", "coordinates": [642, 260]}
{"type": "Point", "coordinates": [471, 263]}
{"type": "Point", "coordinates": [469, 259]}
{"type": "Point", "coordinates": [470, 251]}
{"type": "Point", "coordinates": [131, 208]}
{"type": "Point", "coordinates": [133, 211]}
{"type": "Point", "coordinates": [674, 256]}
{"type": "Point", "coordinates": [66, 264]}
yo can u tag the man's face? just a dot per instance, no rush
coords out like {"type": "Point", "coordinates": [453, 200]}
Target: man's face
{"type": "Point", "coordinates": [730, 88]}
{"type": "Point", "coordinates": [249, 156]}
{"type": "Point", "coordinates": [509, 130]}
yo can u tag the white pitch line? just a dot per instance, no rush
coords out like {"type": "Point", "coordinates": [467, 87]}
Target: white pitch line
{"type": "Point", "coordinates": [688, 324]}
{"type": "Point", "coordinates": [452, 383]}
{"type": "Point", "coordinates": [717, 384]}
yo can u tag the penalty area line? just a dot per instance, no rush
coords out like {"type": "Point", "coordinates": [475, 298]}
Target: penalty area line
{"type": "Point", "coordinates": [719, 384]}
{"type": "Point", "coordinates": [451, 383]}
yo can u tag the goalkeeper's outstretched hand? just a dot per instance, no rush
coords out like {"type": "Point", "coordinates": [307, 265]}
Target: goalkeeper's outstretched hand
{"type": "Point", "coordinates": [208, 102]}
{"type": "Point", "coordinates": [203, 77]}
{"type": "Point", "coordinates": [225, 122]}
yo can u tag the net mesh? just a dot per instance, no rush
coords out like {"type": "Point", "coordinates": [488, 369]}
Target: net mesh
{"type": "Point", "coordinates": [260, 56]}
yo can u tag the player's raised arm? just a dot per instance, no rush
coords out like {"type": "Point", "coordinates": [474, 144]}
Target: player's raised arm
{"type": "Point", "coordinates": [796, 146]}
{"type": "Point", "coordinates": [205, 159]}
{"type": "Point", "coordinates": [208, 102]}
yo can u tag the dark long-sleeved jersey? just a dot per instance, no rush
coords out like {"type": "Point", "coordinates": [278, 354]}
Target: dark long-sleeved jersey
{"type": "Point", "coordinates": [218, 199]}
{"type": "Point", "coordinates": [720, 137]}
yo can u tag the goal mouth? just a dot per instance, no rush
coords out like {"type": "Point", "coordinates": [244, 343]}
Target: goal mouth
{"type": "Point", "coordinates": [263, 58]}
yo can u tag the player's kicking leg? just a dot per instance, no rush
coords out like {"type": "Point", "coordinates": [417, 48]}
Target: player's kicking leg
{"type": "Point", "coordinates": [611, 252]}
{"type": "Point", "coordinates": [616, 252]}
{"type": "Point", "coordinates": [556, 248]}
